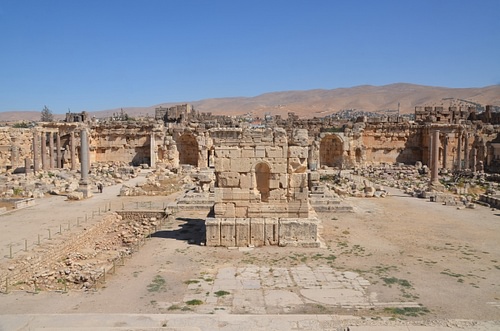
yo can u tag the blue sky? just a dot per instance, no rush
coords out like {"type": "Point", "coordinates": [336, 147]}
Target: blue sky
{"type": "Point", "coordinates": [95, 55]}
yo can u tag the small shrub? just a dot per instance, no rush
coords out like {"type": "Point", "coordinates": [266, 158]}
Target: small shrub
{"type": "Point", "coordinates": [221, 293]}
{"type": "Point", "coordinates": [194, 302]}
{"type": "Point", "coordinates": [157, 284]}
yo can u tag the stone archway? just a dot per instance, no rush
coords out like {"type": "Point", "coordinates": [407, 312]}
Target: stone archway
{"type": "Point", "coordinates": [187, 147]}
{"type": "Point", "coordinates": [331, 151]}
{"type": "Point", "coordinates": [262, 176]}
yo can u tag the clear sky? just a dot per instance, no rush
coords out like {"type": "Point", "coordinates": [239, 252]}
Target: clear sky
{"type": "Point", "coordinates": [103, 54]}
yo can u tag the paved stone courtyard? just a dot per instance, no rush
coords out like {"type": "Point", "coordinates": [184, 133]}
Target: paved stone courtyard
{"type": "Point", "coordinates": [266, 290]}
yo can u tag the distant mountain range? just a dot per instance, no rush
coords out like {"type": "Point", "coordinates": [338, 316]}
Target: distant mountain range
{"type": "Point", "coordinates": [317, 103]}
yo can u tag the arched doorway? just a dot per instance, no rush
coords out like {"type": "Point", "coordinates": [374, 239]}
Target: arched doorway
{"type": "Point", "coordinates": [358, 155]}
{"type": "Point", "coordinates": [262, 176]}
{"type": "Point", "coordinates": [331, 151]}
{"type": "Point", "coordinates": [188, 149]}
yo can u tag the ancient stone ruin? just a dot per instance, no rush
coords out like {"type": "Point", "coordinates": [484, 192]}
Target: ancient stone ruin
{"type": "Point", "coordinates": [261, 190]}
{"type": "Point", "coordinates": [265, 178]}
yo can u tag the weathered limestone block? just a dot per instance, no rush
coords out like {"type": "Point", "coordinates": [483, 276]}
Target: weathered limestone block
{"type": "Point", "coordinates": [271, 231]}
{"type": "Point", "coordinates": [277, 194]}
{"type": "Point", "coordinates": [298, 232]}
{"type": "Point", "coordinates": [241, 211]}
{"type": "Point", "coordinates": [274, 152]}
{"type": "Point", "coordinates": [222, 164]}
{"type": "Point", "coordinates": [245, 181]}
{"type": "Point", "coordinates": [260, 151]}
{"type": "Point", "coordinates": [299, 137]}
{"type": "Point", "coordinates": [299, 195]}
{"type": "Point", "coordinates": [257, 233]}
{"type": "Point", "coordinates": [227, 232]}
{"type": "Point", "coordinates": [298, 209]}
{"type": "Point", "coordinates": [274, 184]}
{"type": "Point", "coordinates": [229, 179]}
{"type": "Point", "coordinates": [298, 152]}
{"type": "Point", "coordinates": [267, 210]}
{"type": "Point", "coordinates": [283, 181]}
{"type": "Point", "coordinates": [212, 226]}
{"type": "Point", "coordinates": [298, 180]}
{"type": "Point", "coordinates": [218, 194]}
{"type": "Point", "coordinates": [279, 167]}
{"type": "Point", "coordinates": [241, 165]}
{"type": "Point", "coordinates": [296, 165]}
{"type": "Point", "coordinates": [75, 195]}
{"type": "Point", "coordinates": [247, 152]}
{"type": "Point", "coordinates": [242, 232]}
{"type": "Point", "coordinates": [228, 152]}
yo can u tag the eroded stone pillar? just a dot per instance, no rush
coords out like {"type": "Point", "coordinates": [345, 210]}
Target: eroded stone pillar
{"type": "Point", "coordinates": [459, 151]}
{"type": "Point", "coordinates": [36, 165]}
{"type": "Point", "coordinates": [152, 150]}
{"type": "Point", "coordinates": [445, 152]}
{"type": "Point", "coordinates": [73, 150]}
{"type": "Point", "coordinates": [58, 151]}
{"type": "Point", "coordinates": [27, 166]}
{"type": "Point", "coordinates": [43, 143]}
{"type": "Point", "coordinates": [84, 165]}
{"type": "Point", "coordinates": [474, 159]}
{"type": "Point", "coordinates": [466, 151]}
{"type": "Point", "coordinates": [51, 150]}
{"type": "Point", "coordinates": [435, 157]}
{"type": "Point", "coordinates": [84, 156]}
{"type": "Point", "coordinates": [14, 155]}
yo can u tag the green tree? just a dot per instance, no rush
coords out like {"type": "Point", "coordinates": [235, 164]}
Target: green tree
{"type": "Point", "coordinates": [47, 115]}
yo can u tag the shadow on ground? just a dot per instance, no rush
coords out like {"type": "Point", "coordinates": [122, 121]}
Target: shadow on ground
{"type": "Point", "coordinates": [192, 231]}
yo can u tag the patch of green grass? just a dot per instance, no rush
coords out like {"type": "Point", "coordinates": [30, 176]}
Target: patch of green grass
{"type": "Point", "coordinates": [191, 281]}
{"type": "Point", "coordinates": [174, 307]}
{"type": "Point", "coordinates": [408, 311]}
{"type": "Point", "coordinates": [157, 284]}
{"type": "Point", "coordinates": [221, 293]}
{"type": "Point", "coordinates": [393, 280]}
{"type": "Point", "coordinates": [194, 302]}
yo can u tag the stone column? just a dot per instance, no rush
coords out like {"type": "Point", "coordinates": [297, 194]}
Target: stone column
{"type": "Point", "coordinates": [466, 151]}
{"type": "Point", "coordinates": [51, 150]}
{"type": "Point", "coordinates": [36, 165]}
{"type": "Point", "coordinates": [152, 150]}
{"type": "Point", "coordinates": [73, 150]}
{"type": "Point", "coordinates": [84, 156]}
{"type": "Point", "coordinates": [26, 166]}
{"type": "Point", "coordinates": [84, 165]}
{"type": "Point", "coordinates": [474, 159]}
{"type": "Point", "coordinates": [58, 152]}
{"type": "Point", "coordinates": [43, 143]}
{"type": "Point", "coordinates": [14, 155]}
{"type": "Point", "coordinates": [435, 157]}
{"type": "Point", "coordinates": [445, 152]}
{"type": "Point", "coordinates": [459, 151]}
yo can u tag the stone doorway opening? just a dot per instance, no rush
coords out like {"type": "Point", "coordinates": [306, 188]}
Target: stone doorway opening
{"type": "Point", "coordinates": [358, 155]}
{"type": "Point", "coordinates": [331, 151]}
{"type": "Point", "coordinates": [188, 149]}
{"type": "Point", "coordinates": [262, 176]}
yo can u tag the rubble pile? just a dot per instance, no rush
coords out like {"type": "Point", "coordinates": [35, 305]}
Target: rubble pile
{"type": "Point", "coordinates": [81, 262]}
{"type": "Point", "coordinates": [160, 181]}
{"type": "Point", "coordinates": [63, 181]}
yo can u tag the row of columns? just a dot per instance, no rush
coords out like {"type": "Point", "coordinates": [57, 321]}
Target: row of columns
{"type": "Point", "coordinates": [48, 159]}
{"type": "Point", "coordinates": [463, 162]}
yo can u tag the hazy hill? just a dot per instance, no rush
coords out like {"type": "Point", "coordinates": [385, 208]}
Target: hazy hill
{"type": "Point", "coordinates": [318, 102]}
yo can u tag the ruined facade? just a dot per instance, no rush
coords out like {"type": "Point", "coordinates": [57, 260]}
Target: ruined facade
{"type": "Point", "coordinates": [261, 189]}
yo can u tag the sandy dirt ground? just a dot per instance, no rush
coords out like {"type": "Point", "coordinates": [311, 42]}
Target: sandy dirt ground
{"type": "Point", "coordinates": [442, 260]}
